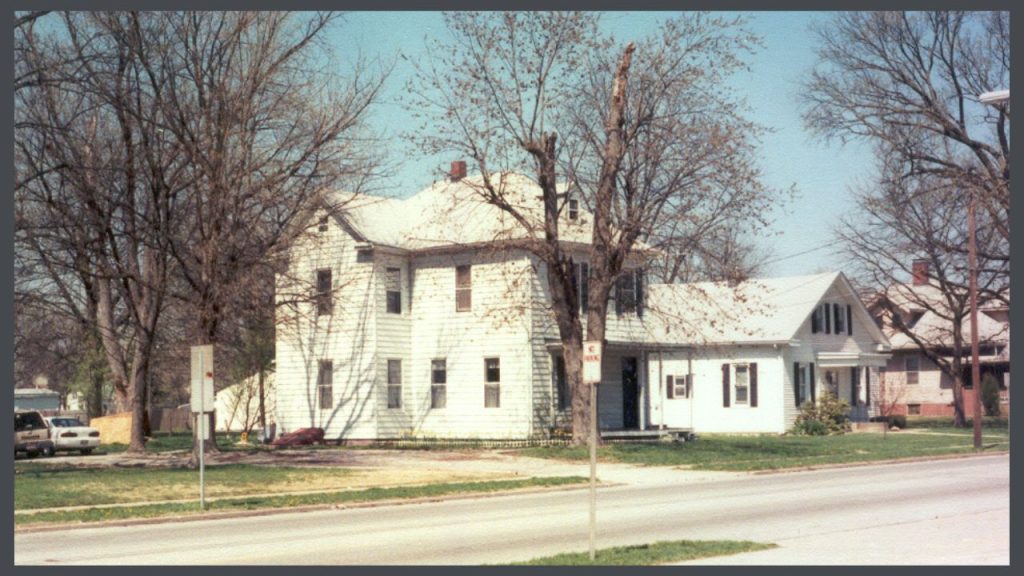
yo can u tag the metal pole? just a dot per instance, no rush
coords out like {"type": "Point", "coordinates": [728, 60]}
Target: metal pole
{"type": "Point", "coordinates": [975, 367]}
{"type": "Point", "coordinates": [593, 467]}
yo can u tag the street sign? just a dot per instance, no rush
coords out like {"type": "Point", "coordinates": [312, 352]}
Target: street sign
{"type": "Point", "coordinates": [591, 362]}
{"type": "Point", "coordinates": [202, 378]}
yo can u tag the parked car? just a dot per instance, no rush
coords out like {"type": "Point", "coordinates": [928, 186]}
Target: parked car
{"type": "Point", "coordinates": [31, 434]}
{"type": "Point", "coordinates": [70, 434]}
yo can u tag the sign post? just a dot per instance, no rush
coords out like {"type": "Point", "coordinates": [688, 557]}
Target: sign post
{"type": "Point", "coordinates": [592, 377]}
{"type": "Point", "coordinates": [202, 404]}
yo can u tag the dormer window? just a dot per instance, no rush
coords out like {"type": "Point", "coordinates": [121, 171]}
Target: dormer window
{"type": "Point", "coordinates": [323, 223]}
{"type": "Point", "coordinates": [574, 209]}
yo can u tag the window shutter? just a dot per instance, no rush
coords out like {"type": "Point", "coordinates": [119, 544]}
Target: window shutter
{"type": "Point", "coordinates": [796, 384]}
{"type": "Point", "coordinates": [854, 380]}
{"type": "Point", "coordinates": [810, 374]}
{"type": "Point", "coordinates": [814, 321]}
{"type": "Point", "coordinates": [753, 384]}
{"type": "Point", "coordinates": [828, 318]}
{"type": "Point", "coordinates": [618, 297]}
{"type": "Point", "coordinates": [867, 386]}
{"type": "Point", "coordinates": [725, 385]}
{"type": "Point", "coordinates": [584, 285]}
{"type": "Point", "coordinates": [838, 319]}
{"type": "Point", "coordinates": [670, 386]}
{"type": "Point", "coordinates": [849, 320]}
{"type": "Point", "coordinates": [575, 279]}
{"type": "Point", "coordinates": [639, 286]}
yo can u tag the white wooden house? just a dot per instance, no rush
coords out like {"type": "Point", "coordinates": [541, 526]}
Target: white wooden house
{"type": "Point", "coordinates": [426, 317]}
{"type": "Point", "coordinates": [754, 352]}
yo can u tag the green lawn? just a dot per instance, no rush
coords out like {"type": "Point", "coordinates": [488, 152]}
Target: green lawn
{"type": "Point", "coordinates": [171, 442]}
{"type": "Point", "coordinates": [650, 554]}
{"type": "Point", "coordinates": [290, 501]}
{"type": "Point", "coordinates": [988, 424]}
{"type": "Point", "coordinates": [720, 452]}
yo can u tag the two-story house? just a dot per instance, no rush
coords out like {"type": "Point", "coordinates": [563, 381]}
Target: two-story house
{"type": "Point", "coordinates": [428, 317]}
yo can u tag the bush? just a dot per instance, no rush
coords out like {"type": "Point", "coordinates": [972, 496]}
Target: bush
{"type": "Point", "coordinates": [897, 420]}
{"type": "Point", "coordinates": [828, 416]}
{"type": "Point", "coordinates": [990, 394]}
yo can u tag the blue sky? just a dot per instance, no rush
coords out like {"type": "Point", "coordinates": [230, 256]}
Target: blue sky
{"type": "Point", "coordinates": [801, 235]}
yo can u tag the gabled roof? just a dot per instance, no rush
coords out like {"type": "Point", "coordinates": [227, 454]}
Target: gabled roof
{"type": "Point", "coordinates": [764, 310]}
{"type": "Point", "coordinates": [931, 326]}
{"type": "Point", "coordinates": [455, 213]}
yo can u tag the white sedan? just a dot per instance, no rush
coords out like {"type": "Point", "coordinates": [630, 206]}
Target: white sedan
{"type": "Point", "coordinates": [71, 434]}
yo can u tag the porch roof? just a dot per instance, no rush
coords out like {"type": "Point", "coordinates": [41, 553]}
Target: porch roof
{"type": "Point", "coordinates": [851, 359]}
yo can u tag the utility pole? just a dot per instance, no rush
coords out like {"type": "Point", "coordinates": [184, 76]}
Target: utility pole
{"type": "Point", "coordinates": [972, 255]}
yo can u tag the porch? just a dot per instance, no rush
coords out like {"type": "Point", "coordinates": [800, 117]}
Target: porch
{"type": "Point", "coordinates": [849, 376]}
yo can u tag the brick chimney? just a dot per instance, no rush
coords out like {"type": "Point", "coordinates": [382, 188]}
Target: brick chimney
{"type": "Point", "coordinates": [920, 271]}
{"type": "Point", "coordinates": [458, 171]}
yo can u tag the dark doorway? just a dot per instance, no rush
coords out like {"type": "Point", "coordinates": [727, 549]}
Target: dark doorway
{"type": "Point", "coordinates": [629, 393]}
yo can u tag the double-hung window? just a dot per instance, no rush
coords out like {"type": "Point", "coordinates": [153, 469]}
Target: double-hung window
{"type": "Point", "coordinates": [325, 384]}
{"type": "Point", "coordinates": [324, 296]}
{"type": "Point", "coordinates": [492, 382]}
{"type": "Point", "coordinates": [913, 365]}
{"type": "Point", "coordinates": [438, 383]}
{"type": "Point", "coordinates": [394, 383]}
{"type": "Point", "coordinates": [463, 288]}
{"type": "Point", "coordinates": [393, 288]}
{"type": "Point", "coordinates": [742, 384]}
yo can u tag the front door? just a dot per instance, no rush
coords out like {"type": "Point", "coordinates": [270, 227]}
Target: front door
{"type": "Point", "coordinates": [630, 391]}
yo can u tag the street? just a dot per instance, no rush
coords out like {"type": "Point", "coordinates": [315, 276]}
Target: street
{"type": "Point", "coordinates": [953, 511]}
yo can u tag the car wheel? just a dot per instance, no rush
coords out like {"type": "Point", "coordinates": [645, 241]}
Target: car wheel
{"type": "Point", "coordinates": [49, 451]}
{"type": "Point", "coordinates": [86, 451]}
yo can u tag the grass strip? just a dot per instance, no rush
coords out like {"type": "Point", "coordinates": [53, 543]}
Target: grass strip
{"type": "Point", "coordinates": [271, 502]}
{"type": "Point", "coordinates": [772, 452]}
{"type": "Point", "coordinates": [650, 554]}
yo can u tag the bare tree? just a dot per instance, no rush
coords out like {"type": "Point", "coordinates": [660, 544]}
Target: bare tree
{"type": "Point", "coordinates": [913, 219]}
{"type": "Point", "coordinates": [908, 84]}
{"type": "Point", "coordinates": [639, 130]}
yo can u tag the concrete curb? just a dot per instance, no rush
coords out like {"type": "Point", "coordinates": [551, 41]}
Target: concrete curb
{"type": "Point", "coordinates": [52, 527]}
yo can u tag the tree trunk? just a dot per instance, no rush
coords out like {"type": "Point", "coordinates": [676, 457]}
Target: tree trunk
{"type": "Point", "coordinates": [263, 414]}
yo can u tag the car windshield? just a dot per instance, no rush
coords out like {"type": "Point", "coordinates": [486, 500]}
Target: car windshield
{"type": "Point", "coordinates": [66, 422]}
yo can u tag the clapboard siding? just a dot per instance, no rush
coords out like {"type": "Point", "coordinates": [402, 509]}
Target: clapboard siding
{"type": "Point", "coordinates": [708, 412]}
{"type": "Point", "coordinates": [346, 337]}
{"type": "Point", "coordinates": [497, 326]}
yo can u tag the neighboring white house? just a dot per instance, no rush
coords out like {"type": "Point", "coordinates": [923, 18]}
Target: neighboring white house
{"type": "Point", "coordinates": [758, 350]}
{"type": "Point", "coordinates": [426, 317]}
{"type": "Point", "coordinates": [238, 405]}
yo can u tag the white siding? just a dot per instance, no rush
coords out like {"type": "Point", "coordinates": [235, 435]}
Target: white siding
{"type": "Point", "coordinates": [708, 413]}
{"type": "Point", "coordinates": [346, 337]}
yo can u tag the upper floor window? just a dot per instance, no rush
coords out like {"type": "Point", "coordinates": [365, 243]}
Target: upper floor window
{"type": "Point", "coordinates": [912, 366]}
{"type": "Point", "coordinates": [393, 288]}
{"type": "Point", "coordinates": [323, 223]}
{"type": "Point", "coordinates": [629, 292]}
{"type": "Point", "coordinates": [574, 209]}
{"type": "Point", "coordinates": [463, 288]}
{"type": "Point", "coordinates": [324, 296]}
{"type": "Point", "coordinates": [840, 318]}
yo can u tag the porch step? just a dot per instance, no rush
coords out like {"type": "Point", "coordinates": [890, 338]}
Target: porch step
{"type": "Point", "coordinates": [664, 434]}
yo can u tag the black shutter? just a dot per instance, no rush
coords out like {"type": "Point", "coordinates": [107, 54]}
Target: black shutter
{"type": "Point", "coordinates": [639, 286]}
{"type": "Point", "coordinates": [814, 322]}
{"type": "Point", "coordinates": [670, 386]}
{"type": "Point", "coordinates": [849, 320]}
{"type": "Point", "coordinates": [796, 384]}
{"type": "Point", "coordinates": [810, 375]}
{"type": "Point", "coordinates": [867, 386]}
{"type": "Point", "coordinates": [835, 312]}
{"type": "Point", "coordinates": [753, 384]}
{"type": "Point", "coordinates": [854, 378]}
{"type": "Point", "coordinates": [575, 280]}
{"type": "Point", "coordinates": [828, 318]}
{"type": "Point", "coordinates": [584, 285]}
{"type": "Point", "coordinates": [725, 385]}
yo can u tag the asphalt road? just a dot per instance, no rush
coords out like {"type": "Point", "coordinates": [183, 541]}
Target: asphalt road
{"type": "Point", "coordinates": [937, 512]}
